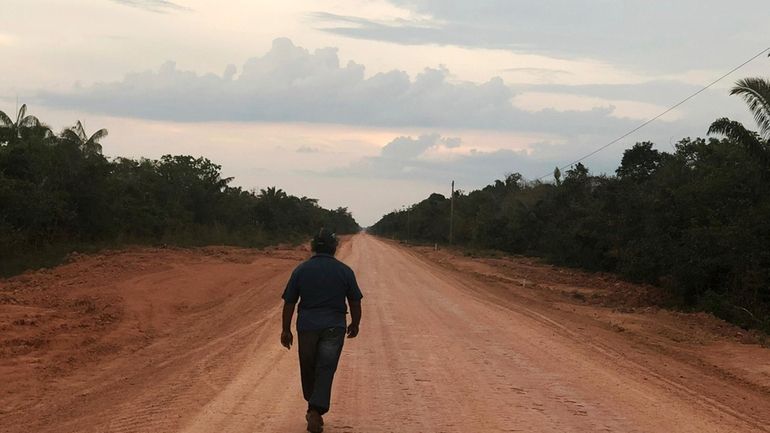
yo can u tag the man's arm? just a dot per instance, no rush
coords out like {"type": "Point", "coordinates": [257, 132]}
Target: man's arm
{"type": "Point", "coordinates": [286, 336]}
{"type": "Point", "coordinates": [290, 298]}
{"type": "Point", "coordinates": [355, 317]}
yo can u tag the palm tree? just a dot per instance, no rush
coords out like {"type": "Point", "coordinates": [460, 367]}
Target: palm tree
{"type": "Point", "coordinates": [756, 92]}
{"type": "Point", "coordinates": [269, 210]}
{"type": "Point", "coordinates": [89, 145]}
{"type": "Point", "coordinates": [735, 131]}
{"type": "Point", "coordinates": [12, 130]}
{"type": "Point", "coordinates": [307, 201]}
{"type": "Point", "coordinates": [272, 194]}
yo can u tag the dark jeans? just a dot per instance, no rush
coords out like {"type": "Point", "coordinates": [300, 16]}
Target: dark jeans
{"type": "Point", "coordinates": [319, 353]}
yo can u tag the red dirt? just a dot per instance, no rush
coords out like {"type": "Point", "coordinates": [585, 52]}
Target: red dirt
{"type": "Point", "coordinates": [61, 323]}
{"type": "Point", "coordinates": [166, 340]}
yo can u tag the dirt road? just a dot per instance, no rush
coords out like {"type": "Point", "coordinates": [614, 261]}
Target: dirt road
{"type": "Point", "coordinates": [439, 351]}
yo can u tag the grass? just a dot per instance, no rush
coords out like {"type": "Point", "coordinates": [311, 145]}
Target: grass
{"type": "Point", "coordinates": [44, 257]}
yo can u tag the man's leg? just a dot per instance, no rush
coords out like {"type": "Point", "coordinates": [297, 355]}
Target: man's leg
{"type": "Point", "coordinates": [308, 348]}
{"type": "Point", "coordinates": [328, 353]}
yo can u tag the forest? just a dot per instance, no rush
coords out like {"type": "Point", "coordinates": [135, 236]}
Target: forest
{"type": "Point", "coordinates": [59, 193]}
{"type": "Point", "coordinates": [693, 221]}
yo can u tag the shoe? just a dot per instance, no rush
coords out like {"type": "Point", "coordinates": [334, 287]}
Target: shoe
{"type": "Point", "coordinates": [315, 422]}
{"type": "Point", "coordinates": [322, 417]}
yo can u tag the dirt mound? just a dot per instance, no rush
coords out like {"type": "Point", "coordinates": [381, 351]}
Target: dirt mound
{"type": "Point", "coordinates": [597, 288]}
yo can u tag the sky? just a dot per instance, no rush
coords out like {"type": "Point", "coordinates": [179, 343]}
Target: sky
{"type": "Point", "coordinates": [375, 104]}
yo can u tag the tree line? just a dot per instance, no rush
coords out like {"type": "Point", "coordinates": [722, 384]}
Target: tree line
{"type": "Point", "coordinates": [58, 193]}
{"type": "Point", "coordinates": [693, 221]}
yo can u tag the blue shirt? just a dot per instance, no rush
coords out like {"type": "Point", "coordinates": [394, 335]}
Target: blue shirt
{"type": "Point", "coordinates": [321, 284]}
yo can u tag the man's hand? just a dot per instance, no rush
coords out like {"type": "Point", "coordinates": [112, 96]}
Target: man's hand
{"type": "Point", "coordinates": [352, 331]}
{"type": "Point", "coordinates": [287, 339]}
{"type": "Point", "coordinates": [355, 316]}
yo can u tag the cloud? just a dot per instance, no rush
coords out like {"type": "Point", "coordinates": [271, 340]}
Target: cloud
{"type": "Point", "coordinates": [682, 35]}
{"type": "Point", "coordinates": [408, 147]}
{"type": "Point", "coordinates": [158, 6]}
{"type": "Point", "coordinates": [307, 149]}
{"type": "Point", "coordinates": [407, 158]}
{"type": "Point", "coordinates": [662, 92]}
{"type": "Point", "coordinates": [651, 98]}
{"type": "Point", "coordinates": [291, 84]}
{"type": "Point", "coordinates": [400, 30]}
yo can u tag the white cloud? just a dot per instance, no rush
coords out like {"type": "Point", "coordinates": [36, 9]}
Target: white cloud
{"type": "Point", "coordinates": [290, 83]}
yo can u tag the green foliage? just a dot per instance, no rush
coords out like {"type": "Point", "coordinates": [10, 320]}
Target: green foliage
{"type": "Point", "coordinates": [59, 194]}
{"type": "Point", "coordinates": [693, 222]}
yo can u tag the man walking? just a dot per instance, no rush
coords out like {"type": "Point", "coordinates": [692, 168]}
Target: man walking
{"type": "Point", "coordinates": [321, 285]}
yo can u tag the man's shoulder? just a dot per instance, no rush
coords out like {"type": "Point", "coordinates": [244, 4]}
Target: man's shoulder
{"type": "Point", "coordinates": [302, 266]}
{"type": "Point", "coordinates": [320, 260]}
{"type": "Point", "coordinates": [325, 260]}
{"type": "Point", "coordinates": [342, 265]}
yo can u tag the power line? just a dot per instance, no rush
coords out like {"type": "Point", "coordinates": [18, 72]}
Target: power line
{"type": "Point", "coordinates": [672, 108]}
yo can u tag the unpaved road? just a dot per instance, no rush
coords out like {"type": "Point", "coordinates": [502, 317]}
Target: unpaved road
{"type": "Point", "coordinates": [439, 351]}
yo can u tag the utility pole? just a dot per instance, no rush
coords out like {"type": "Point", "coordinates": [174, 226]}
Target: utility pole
{"type": "Point", "coordinates": [451, 213]}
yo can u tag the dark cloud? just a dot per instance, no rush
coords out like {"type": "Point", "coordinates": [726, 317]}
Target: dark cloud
{"type": "Point", "coordinates": [158, 6]}
{"type": "Point", "coordinates": [404, 158]}
{"type": "Point", "coordinates": [289, 83]}
{"type": "Point", "coordinates": [408, 147]}
{"type": "Point", "coordinates": [661, 92]}
{"type": "Point", "coordinates": [651, 35]}
{"type": "Point", "coordinates": [308, 149]}
{"type": "Point", "coordinates": [696, 114]}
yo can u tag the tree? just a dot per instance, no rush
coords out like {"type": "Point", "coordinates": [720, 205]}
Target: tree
{"type": "Point", "coordinates": [733, 130]}
{"type": "Point", "coordinates": [89, 145]}
{"type": "Point", "coordinates": [270, 207]}
{"type": "Point", "coordinates": [639, 162]}
{"type": "Point", "coordinates": [577, 173]}
{"type": "Point", "coordinates": [10, 131]}
{"type": "Point", "coordinates": [736, 132]}
{"type": "Point", "coordinates": [756, 92]}
{"type": "Point", "coordinates": [272, 194]}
